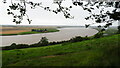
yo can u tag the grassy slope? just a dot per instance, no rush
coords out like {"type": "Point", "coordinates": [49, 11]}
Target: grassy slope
{"type": "Point", "coordinates": [98, 52]}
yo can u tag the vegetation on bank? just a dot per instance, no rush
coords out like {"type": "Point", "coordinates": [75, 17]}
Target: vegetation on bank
{"type": "Point", "coordinates": [78, 51]}
{"type": "Point", "coordinates": [34, 31]}
{"type": "Point", "coordinates": [44, 42]}
{"type": "Point", "coordinates": [109, 31]}
{"type": "Point", "coordinates": [103, 51]}
{"type": "Point", "coordinates": [118, 32]}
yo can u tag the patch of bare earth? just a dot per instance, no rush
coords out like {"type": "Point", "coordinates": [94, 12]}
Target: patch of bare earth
{"type": "Point", "coordinates": [50, 56]}
{"type": "Point", "coordinates": [13, 31]}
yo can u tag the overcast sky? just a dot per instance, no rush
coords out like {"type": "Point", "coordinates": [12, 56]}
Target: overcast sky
{"type": "Point", "coordinates": [40, 16]}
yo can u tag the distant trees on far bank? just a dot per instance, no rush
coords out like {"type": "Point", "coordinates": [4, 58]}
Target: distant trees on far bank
{"type": "Point", "coordinates": [39, 30]}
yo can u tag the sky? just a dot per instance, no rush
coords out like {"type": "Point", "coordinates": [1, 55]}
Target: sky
{"type": "Point", "coordinates": [40, 16]}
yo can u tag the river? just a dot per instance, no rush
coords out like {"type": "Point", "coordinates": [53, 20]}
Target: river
{"type": "Point", "coordinates": [63, 34]}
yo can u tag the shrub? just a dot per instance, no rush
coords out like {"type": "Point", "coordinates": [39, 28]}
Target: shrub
{"type": "Point", "coordinates": [14, 46]}
{"type": "Point", "coordinates": [19, 46]}
{"type": "Point", "coordinates": [43, 41]}
{"type": "Point", "coordinates": [76, 39]}
{"type": "Point", "coordinates": [86, 38]}
{"type": "Point", "coordinates": [52, 43]}
{"type": "Point", "coordinates": [98, 35]}
{"type": "Point", "coordinates": [118, 29]}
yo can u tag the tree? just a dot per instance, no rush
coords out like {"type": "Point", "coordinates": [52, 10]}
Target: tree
{"type": "Point", "coordinates": [118, 29]}
{"type": "Point", "coordinates": [107, 17]}
{"type": "Point", "coordinates": [77, 39]}
{"type": "Point", "coordinates": [13, 44]}
{"type": "Point", "coordinates": [43, 41]}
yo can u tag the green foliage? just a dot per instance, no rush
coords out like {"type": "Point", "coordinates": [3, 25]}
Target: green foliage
{"type": "Point", "coordinates": [98, 35]}
{"type": "Point", "coordinates": [43, 41]}
{"type": "Point", "coordinates": [79, 38]}
{"type": "Point", "coordinates": [76, 39]}
{"type": "Point", "coordinates": [118, 30]}
{"type": "Point", "coordinates": [97, 52]}
{"type": "Point", "coordinates": [15, 46]}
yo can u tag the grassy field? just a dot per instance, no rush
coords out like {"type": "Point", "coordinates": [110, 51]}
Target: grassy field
{"type": "Point", "coordinates": [97, 52]}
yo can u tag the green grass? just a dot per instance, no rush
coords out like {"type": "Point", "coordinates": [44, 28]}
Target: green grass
{"type": "Point", "coordinates": [97, 52]}
{"type": "Point", "coordinates": [32, 32]}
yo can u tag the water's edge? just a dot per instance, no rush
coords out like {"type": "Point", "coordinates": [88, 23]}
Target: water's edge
{"type": "Point", "coordinates": [63, 34]}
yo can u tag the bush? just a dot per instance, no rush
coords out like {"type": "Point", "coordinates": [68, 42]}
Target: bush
{"type": "Point", "coordinates": [43, 41]}
{"type": "Point", "coordinates": [86, 38]}
{"type": "Point", "coordinates": [34, 45]}
{"type": "Point", "coordinates": [76, 39]}
{"type": "Point", "coordinates": [98, 35]}
{"type": "Point", "coordinates": [14, 46]}
{"type": "Point", "coordinates": [118, 30]}
{"type": "Point", "coordinates": [20, 46]}
{"type": "Point", "coordinates": [52, 43]}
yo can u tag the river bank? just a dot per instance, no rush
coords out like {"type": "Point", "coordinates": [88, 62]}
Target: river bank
{"type": "Point", "coordinates": [63, 34]}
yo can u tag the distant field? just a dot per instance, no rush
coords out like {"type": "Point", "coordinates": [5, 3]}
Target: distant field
{"type": "Point", "coordinates": [14, 30]}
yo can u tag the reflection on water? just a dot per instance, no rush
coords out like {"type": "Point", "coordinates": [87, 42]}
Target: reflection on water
{"type": "Point", "coordinates": [63, 34]}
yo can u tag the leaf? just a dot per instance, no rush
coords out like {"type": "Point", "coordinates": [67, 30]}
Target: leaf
{"type": "Point", "coordinates": [89, 10]}
{"type": "Point", "coordinates": [75, 3]}
{"type": "Point", "coordinates": [70, 7]}
{"type": "Point", "coordinates": [87, 18]}
{"type": "Point", "coordinates": [87, 25]}
{"type": "Point", "coordinates": [80, 3]}
{"type": "Point", "coordinates": [97, 7]}
{"type": "Point", "coordinates": [103, 29]}
{"type": "Point", "coordinates": [105, 26]}
{"type": "Point", "coordinates": [31, 3]}
{"type": "Point", "coordinates": [9, 13]}
{"type": "Point", "coordinates": [85, 8]}
{"type": "Point", "coordinates": [114, 10]}
{"type": "Point", "coordinates": [8, 9]}
{"type": "Point", "coordinates": [100, 3]}
{"type": "Point", "coordinates": [99, 26]}
{"type": "Point", "coordinates": [14, 20]}
{"type": "Point", "coordinates": [95, 2]}
{"type": "Point", "coordinates": [98, 20]}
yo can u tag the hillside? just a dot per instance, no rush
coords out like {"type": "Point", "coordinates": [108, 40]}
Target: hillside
{"type": "Point", "coordinates": [97, 52]}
